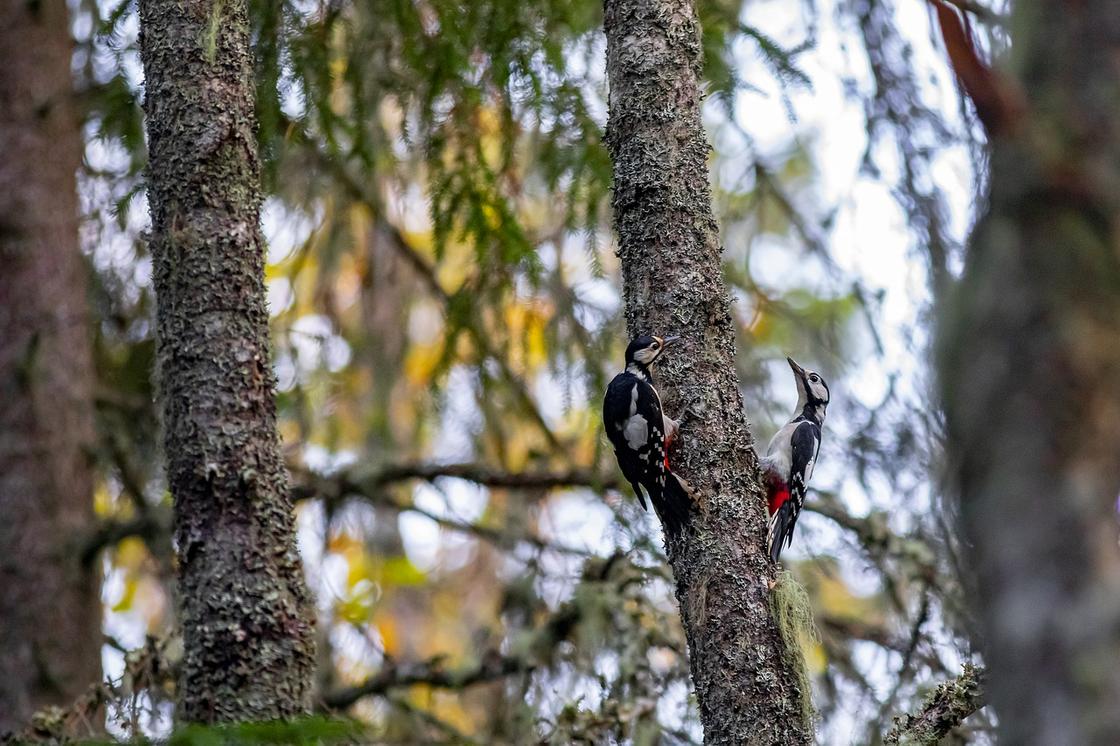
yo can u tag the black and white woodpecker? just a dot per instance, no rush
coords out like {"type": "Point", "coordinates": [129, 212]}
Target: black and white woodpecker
{"type": "Point", "coordinates": [790, 457]}
{"type": "Point", "coordinates": [641, 433]}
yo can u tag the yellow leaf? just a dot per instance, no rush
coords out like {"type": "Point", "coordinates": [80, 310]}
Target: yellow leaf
{"type": "Point", "coordinates": [387, 629]}
{"type": "Point", "coordinates": [536, 354]}
{"type": "Point", "coordinates": [361, 568]}
{"type": "Point", "coordinates": [421, 361]}
{"type": "Point", "coordinates": [103, 501]}
{"type": "Point", "coordinates": [338, 66]}
{"type": "Point", "coordinates": [126, 599]}
{"type": "Point", "coordinates": [449, 709]}
{"type": "Point", "coordinates": [356, 609]}
{"type": "Point", "coordinates": [525, 325]}
{"type": "Point", "coordinates": [493, 217]}
{"type": "Point", "coordinates": [400, 571]}
{"type": "Point", "coordinates": [132, 553]}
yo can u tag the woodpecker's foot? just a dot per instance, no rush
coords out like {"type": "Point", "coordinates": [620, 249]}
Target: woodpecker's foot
{"type": "Point", "coordinates": [672, 427]}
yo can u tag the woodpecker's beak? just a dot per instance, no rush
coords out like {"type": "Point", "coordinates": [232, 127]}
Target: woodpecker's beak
{"type": "Point", "coordinates": [797, 369]}
{"type": "Point", "coordinates": [668, 341]}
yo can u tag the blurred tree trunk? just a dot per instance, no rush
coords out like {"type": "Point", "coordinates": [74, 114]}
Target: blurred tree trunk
{"type": "Point", "coordinates": [388, 285]}
{"type": "Point", "coordinates": [747, 688]}
{"type": "Point", "coordinates": [50, 624]}
{"type": "Point", "coordinates": [243, 601]}
{"type": "Point", "coordinates": [1030, 370]}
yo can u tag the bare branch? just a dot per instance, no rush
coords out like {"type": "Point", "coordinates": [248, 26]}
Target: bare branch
{"type": "Point", "coordinates": [370, 486]}
{"type": "Point", "coordinates": [482, 474]}
{"type": "Point", "coordinates": [493, 535]}
{"type": "Point", "coordinates": [494, 665]}
{"type": "Point", "coordinates": [450, 732]}
{"type": "Point", "coordinates": [153, 527]}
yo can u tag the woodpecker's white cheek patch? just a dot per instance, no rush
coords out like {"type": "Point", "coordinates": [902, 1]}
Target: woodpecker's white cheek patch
{"type": "Point", "coordinates": [636, 431]}
{"type": "Point", "coordinates": [636, 370]}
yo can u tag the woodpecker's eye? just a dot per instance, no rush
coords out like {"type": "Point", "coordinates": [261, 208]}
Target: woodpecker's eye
{"type": "Point", "coordinates": [814, 378]}
{"type": "Point", "coordinates": [654, 346]}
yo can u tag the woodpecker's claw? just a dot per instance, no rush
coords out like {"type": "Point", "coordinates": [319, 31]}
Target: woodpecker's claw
{"type": "Point", "coordinates": [672, 427]}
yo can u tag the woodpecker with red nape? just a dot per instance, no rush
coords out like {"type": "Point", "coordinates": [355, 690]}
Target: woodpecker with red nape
{"type": "Point", "coordinates": [641, 434]}
{"type": "Point", "coordinates": [790, 457]}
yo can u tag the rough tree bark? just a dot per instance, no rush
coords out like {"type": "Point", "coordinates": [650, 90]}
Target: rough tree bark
{"type": "Point", "coordinates": [49, 617]}
{"type": "Point", "coordinates": [1030, 371]}
{"type": "Point", "coordinates": [243, 601]}
{"type": "Point", "coordinates": [670, 251]}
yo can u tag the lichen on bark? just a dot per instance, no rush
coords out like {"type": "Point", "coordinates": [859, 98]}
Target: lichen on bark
{"type": "Point", "coordinates": [945, 708]}
{"type": "Point", "coordinates": [671, 259]}
{"type": "Point", "coordinates": [243, 602]}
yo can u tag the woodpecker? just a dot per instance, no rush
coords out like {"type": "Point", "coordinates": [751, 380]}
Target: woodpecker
{"type": "Point", "coordinates": [790, 457]}
{"type": "Point", "coordinates": [641, 434]}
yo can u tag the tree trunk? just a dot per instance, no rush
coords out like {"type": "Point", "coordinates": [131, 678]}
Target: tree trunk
{"type": "Point", "coordinates": [748, 689]}
{"type": "Point", "coordinates": [49, 615]}
{"type": "Point", "coordinates": [243, 601]}
{"type": "Point", "coordinates": [1030, 371]}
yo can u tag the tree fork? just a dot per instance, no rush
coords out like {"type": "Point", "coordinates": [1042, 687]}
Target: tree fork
{"type": "Point", "coordinates": [243, 603]}
{"type": "Point", "coordinates": [748, 689]}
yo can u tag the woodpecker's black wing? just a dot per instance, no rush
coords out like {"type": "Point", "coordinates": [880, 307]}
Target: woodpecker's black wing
{"type": "Point", "coordinates": [633, 420]}
{"type": "Point", "coordinates": [617, 405]}
{"type": "Point", "coordinates": [636, 428]}
{"type": "Point", "coordinates": [806, 442]}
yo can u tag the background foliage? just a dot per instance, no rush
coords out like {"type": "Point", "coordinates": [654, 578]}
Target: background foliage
{"type": "Point", "coordinates": [445, 314]}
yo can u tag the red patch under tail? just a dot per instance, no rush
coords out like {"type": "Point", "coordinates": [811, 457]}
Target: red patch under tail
{"type": "Point", "coordinates": [778, 496]}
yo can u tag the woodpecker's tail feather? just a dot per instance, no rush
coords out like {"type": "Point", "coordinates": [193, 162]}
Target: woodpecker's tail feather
{"type": "Point", "coordinates": [781, 529]}
{"type": "Point", "coordinates": [674, 504]}
{"type": "Point", "coordinates": [640, 494]}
